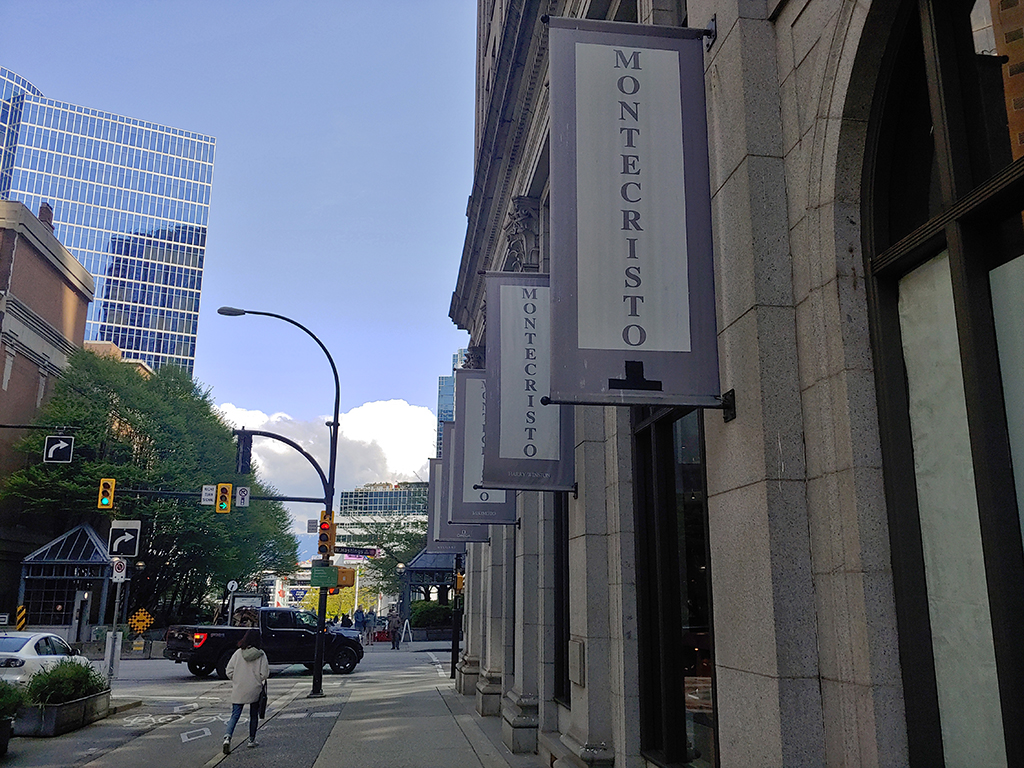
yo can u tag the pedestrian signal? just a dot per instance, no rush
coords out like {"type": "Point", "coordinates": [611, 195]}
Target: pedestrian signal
{"type": "Point", "coordinates": [224, 497]}
{"type": "Point", "coordinates": [333, 591]}
{"type": "Point", "coordinates": [346, 577]}
{"type": "Point", "coordinates": [106, 497]}
{"type": "Point", "coordinates": [326, 534]}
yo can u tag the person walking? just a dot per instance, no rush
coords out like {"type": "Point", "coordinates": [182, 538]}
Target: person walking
{"type": "Point", "coordinates": [359, 621]}
{"type": "Point", "coordinates": [371, 625]}
{"type": "Point", "coordinates": [395, 628]}
{"type": "Point", "coordinates": [248, 671]}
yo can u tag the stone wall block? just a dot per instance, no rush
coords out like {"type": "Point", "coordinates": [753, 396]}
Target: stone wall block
{"type": "Point", "coordinates": [742, 591]}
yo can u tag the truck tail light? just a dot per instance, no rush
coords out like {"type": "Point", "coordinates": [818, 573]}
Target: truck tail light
{"type": "Point", "coordinates": [198, 638]}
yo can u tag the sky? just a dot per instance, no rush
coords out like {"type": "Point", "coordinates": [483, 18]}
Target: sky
{"type": "Point", "coordinates": [343, 168]}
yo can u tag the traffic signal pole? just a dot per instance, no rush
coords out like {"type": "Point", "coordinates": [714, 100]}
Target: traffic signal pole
{"type": "Point", "coordinates": [328, 482]}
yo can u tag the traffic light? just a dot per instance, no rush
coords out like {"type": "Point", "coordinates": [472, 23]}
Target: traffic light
{"type": "Point", "coordinates": [460, 582]}
{"type": "Point", "coordinates": [243, 455]}
{"type": "Point", "coordinates": [333, 590]}
{"type": "Point", "coordinates": [106, 497]}
{"type": "Point", "coordinates": [325, 545]}
{"type": "Point", "coordinates": [224, 497]}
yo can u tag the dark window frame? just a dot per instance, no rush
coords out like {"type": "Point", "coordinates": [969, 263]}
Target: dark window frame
{"type": "Point", "coordinates": [972, 202]}
{"type": "Point", "coordinates": [561, 634]}
{"type": "Point", "coordinates": [659, 620]}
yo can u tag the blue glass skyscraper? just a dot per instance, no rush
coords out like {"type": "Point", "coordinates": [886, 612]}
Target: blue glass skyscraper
{"type": "Point", "coordinates": [130, 200]}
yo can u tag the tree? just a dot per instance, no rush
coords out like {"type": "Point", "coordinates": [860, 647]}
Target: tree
{"type": "Point", "coordinates": [158, 432]}
{"type": "Point", "coordinates": [399, 541]}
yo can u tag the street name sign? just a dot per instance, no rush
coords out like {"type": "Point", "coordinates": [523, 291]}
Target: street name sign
{"type": "Point", "coordinates": [361, 551]}
{"type": "Point", "coordinates": [58, 449]}
{"type": "Point", "coordinates": [124, 538]}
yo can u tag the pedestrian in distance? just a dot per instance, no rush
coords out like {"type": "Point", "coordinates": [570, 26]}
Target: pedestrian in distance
{"type": "Point", "coordinates": [395, 628]}
{"type": "Point", "coordinates": [346, 621]}
{"type": "Point", "coordinates": [248, 671]}
{"type": "Point", "coordinates": [359, 620]}
{"type": "Point", "coordinates": [371, 625]}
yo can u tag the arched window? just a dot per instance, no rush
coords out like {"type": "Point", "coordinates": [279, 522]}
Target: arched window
{"type": "Point", "coordinates": [944, 243]}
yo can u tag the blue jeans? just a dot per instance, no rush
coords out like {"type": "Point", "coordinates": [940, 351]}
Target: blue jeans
{"type": "Point", "coordinates": [254, 719]}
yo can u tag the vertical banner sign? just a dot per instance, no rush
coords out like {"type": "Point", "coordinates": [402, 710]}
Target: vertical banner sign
{"type": "Point", "coordinates": [470, 502]}
{"type": "Point", "coordinates": [529, 446]}
{"type": "Point", "coordinates": [632, 276]}
{"type": "Point", "coordinates": [435, 513]}
{"type": "Point", "coordinates": [446, 529]}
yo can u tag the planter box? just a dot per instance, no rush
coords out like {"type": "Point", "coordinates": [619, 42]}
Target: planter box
{"type": "Point", "coordinates": [432, 634]}
{"type": "Point", "coordinates": [55, 719]}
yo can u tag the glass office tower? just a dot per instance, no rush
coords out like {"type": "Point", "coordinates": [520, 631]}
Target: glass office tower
{"type": "Point", "coordinates": [130, 200]}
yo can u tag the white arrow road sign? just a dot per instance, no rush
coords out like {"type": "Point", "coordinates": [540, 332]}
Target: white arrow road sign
{"type": "Point", "coordinates": [124, 538]}
{"type": "Point", "coordinates": [58, 449]}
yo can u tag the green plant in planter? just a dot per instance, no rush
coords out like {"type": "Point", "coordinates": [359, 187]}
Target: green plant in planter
{"type": "Point", "coordinates": [65, 681]}
{"type": "Point", "coordinates": [11, 697]}
{"type": "Point", "coordinates": [428, 614]}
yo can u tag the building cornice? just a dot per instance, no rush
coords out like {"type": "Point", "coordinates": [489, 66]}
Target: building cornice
{"type": "Point", "coordinates": [17, 218]}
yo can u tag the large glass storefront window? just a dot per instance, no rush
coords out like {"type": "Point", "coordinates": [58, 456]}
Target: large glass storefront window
{"type": "Point", "coordinates": [674, 581]}
{"type": "Point", "coordinates": [943, 243]}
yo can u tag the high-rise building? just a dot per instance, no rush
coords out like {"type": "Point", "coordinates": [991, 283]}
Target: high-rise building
{"type": "Point", "coordinates": [130, 200]}
{"type": "Point", "coordinates": [377, 503]}
{"type": "Point", "coordinates": [446, 396]}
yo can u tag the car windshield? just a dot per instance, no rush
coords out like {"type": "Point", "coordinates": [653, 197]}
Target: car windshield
{"type": "Point", "coordinates": [12, 644]}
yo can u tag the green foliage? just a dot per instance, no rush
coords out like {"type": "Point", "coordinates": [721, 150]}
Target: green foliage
{"type": "Point", "coordinates": [160, 432]}
{"type": "Point", "coordinates": [11, 697]}
{"type": "Point", "coordinates": [65, 681]}
{"type": "Point", "coordinates": [427, 613]}
{"type": "Point", "coordinates": [399, 542]}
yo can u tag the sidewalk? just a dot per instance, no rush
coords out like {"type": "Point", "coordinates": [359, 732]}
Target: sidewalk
{"type": "Point", "coordinates": [399, 709]}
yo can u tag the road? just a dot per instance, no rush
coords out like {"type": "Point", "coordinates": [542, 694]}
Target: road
{"type": "Point", "coordinates": [181, 719]}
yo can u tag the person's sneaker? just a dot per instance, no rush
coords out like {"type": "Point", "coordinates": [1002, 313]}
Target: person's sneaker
{"type": "Point", "coordinates": [253, 743]}
{"type": "Point", "coordinates": [227, 745]}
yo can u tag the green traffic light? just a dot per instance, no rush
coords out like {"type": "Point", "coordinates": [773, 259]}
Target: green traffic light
{"type": "Point", "coordinates": [105, 501]}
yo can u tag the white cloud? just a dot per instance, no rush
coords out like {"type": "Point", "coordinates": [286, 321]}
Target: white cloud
{"type": "Point", "coordinates": [388, 440]}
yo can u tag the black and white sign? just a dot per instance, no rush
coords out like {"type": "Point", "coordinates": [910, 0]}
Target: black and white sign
{"type": "Point", "coordinates": [209, 496]}
{"type": "Point", "coordinates": [232, 586]}
{"type": "Point", "coordinates": [633, 293]}
{"type": "Point", "coordinates": [119, 570]}
{"type": "Point", "coordinates": [312, 526]}
{"type": "Point", "coordinates": [529, 445]}
{"type": "Point", "coordinates": [446, 529]}
{"type": "Point", "coordinates": [435, 513]}
{"type": "Point", "coordinates": [469, 503]}
{"type": "Point", "coordinates": [242, 496]}
{"type": "Point", "coordinates": [58, 449]}
{"type": "Point", "coordinates": [357, 551]}
{"type": "Point", "coordinates": [124, 538]}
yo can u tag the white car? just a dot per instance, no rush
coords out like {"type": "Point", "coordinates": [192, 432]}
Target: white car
{"type": "Point", "coordinates": [22, 654]}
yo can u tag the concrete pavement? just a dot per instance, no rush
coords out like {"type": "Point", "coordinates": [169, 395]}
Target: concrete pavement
{"type": "Point", "coordinates": [399, 709]}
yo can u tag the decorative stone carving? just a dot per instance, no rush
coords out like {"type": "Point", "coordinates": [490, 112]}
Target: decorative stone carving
{"type": "Point", "coordinates": [522, 253]}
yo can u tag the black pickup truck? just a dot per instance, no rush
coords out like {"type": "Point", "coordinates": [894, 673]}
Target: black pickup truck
{"type": "Point", "coordinates": [288, 634]}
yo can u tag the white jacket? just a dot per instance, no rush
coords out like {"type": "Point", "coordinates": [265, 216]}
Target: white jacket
{"type": "Point", "coordinates": [248, 669]}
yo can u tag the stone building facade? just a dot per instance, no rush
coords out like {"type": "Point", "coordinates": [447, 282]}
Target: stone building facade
{"type": "Point", "coordinates": [836, 575]}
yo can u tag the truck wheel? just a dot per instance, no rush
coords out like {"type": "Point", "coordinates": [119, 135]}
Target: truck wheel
{"type": "Point", "coordinates": [222, 665]}
{"type": "Point", "coordinates": [200, 670]}
{"type": "Point", "coordinates": [344, 661]}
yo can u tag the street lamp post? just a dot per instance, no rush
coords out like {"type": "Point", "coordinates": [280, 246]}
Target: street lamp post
{"type": "Point", "coordinates": [321, 614]}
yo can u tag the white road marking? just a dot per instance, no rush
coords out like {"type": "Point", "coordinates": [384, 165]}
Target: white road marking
{"type": "Point", "coordinates": [199, 733]}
